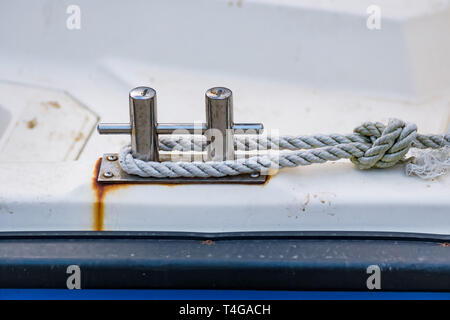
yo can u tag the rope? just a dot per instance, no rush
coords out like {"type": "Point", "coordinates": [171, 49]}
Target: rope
{"type": "Point", "coordinates": [372, 145]}
{"type": "Point", "coordinates": [363, 134]}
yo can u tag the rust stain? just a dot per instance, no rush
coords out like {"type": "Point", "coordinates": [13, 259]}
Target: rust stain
{"type": "Point", "coordinates": [445, 244]}
{"type": "Point", "coordinates": [305, 204]}
{"type": "Point", "coordinates": [268, 179]}
{"type": "Point", "coordinates": [208, 242]}
{"type": "Point", "coordinates": [100, 191]}
{"type": "Point", "coordinates": [99, 208]}
{"type": "Point", "coordinates": [170, 185]}
{"type": "Point", "coordinates": [79, 137]}
{"type": "Point", "coordinates": [54, 104]}
{"type": "Point", "coordinates": [32, 123]}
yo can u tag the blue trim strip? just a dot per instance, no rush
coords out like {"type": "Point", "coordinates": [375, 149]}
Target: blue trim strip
{"type": "Point", "coordinates": [61, 294]}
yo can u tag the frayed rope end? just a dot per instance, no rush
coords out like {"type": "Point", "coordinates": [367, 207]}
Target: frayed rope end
{"type": "Point", "coordinates": [429, 164]}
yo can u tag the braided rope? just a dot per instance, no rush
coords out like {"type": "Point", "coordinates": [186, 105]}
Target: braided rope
{"type": "Point", "coordinates": [250, 143]}
{"type": "Point", "coordinates": [372, 145]}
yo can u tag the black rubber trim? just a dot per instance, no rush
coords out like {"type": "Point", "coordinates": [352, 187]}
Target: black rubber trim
{"type": "Point", "coordinates": [253, 235]}
{"type": "Point", "coordinates": [257, 260]}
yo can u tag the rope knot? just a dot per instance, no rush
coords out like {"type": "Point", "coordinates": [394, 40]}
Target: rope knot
{"type": "Point", "coordinates": [389, 144]}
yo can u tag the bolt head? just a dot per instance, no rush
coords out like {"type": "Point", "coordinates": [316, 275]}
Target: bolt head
{"type": "Point", "coordinates": [111, 158]}
{"type": "Point", "coordinates": [108, 174]}
{"type": "Point", "coordinates": [254, 175]}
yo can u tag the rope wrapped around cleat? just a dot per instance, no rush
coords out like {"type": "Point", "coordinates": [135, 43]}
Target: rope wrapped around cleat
{"type": "Point", "coordinates": [371, 145]}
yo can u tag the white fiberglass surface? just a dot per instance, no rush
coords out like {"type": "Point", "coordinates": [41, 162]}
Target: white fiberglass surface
{"type": "Point", "coordinates": [299, 67]}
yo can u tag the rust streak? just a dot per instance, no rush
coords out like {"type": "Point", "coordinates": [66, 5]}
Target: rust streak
{"type": "Point", "coordinates": [99, 208]}
{"type": "Point", "coordinates": [268, 179]}
{"type": "Point", "coordinates": [101, 190]}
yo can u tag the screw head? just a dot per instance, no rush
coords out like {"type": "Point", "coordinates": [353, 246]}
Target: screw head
{"type": "Point", "coordinates": [111, 158]}
{"type": "Point", "coordinates": [254, 175]}
{"type": "Point", "coordinates": [108, 174]}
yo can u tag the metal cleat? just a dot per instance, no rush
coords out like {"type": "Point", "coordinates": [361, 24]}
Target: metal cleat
{"type": "Point", "coordinates": [144, 129]}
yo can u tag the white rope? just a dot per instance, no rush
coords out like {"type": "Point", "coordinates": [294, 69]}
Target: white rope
{"type": "Point", "coordinates": [372, 145]}
{"type": "Point", "coordinates": [364, 134]}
